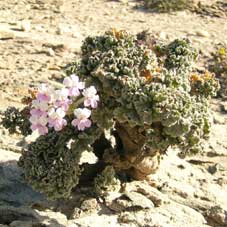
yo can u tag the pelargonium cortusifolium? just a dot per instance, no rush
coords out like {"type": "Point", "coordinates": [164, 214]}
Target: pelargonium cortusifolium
{"type": "Point", "coordinates": [141, 103]}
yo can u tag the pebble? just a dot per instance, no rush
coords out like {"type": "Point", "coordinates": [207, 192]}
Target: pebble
{"type": "Point", "coordinates": [62, 29]}
{"type": "Point", "coordinates": [217, 216]}
{"type": "Point", "coordinates": [123, 1]}
{"type": "Point", "coordinates": [224, 106]}
{"type": "Point", "coordinates": [51, 52]}
{"type": "Point", "coordinates": [162, 35]}
{"type": "Point", "coordinates": [218, 119]}
{"type": "Point", "coordinates": [25, 25]}
{"type": "Point", "coordinates": [212, 169]}
{"type": "Point", "coordinates": [6, 34]}
{"type": "Point", "coordinates": [203, 33]}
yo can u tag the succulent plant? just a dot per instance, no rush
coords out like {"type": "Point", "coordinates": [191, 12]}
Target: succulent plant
{"type": "Point", "coordinates": [149, 99]}
{"type": "Point", "coordinates": [219, 67]}
{"type": "Point", "coordinates": [16, 120]}
{"type": "Point", "coordinates": [168, 5]}
{"type": "Point", "coordinates": [106, 181]}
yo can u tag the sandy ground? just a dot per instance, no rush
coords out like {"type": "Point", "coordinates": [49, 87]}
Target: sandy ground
{"type": "Point", "coordinates": [39, 37]}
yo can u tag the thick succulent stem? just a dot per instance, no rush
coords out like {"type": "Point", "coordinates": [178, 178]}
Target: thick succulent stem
{"type": "Point", "coordinates": [137, 159]}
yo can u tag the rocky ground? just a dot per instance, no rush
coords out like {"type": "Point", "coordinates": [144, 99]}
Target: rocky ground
{"type": "Point", "coordinates": [37, 39]}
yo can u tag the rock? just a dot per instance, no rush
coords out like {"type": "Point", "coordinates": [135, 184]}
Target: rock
{"type": "Point", "coordinates": [219, 119]}
{"type": "Point", "coordinates": [77, 213]}
{"type": "Point", "coordinates": [147, 190]}
{"type": "Point", "coordinates": [51, 52]}
{"type": "Point", "coordinates": [139, 200]}
{"type": "Point", "coordinates": [6, 34]}
{"type": "Point", "coordinates": [224, 106]}
{"type": "Point", "coordinates": [27, 217]}
{"type": "Point", "coordinates": [128, 201]}
{"type": "Point", "coordinates": [25, 25]}
{"type": "Point", "coordinates": [62, 29]}
{"type": "Point", "coordinates": [215, 168]}
{"type": "Point", "coordinates": [94, 220]}
{"type": "Point", "coordinates": [14, 191]}
{"type": "Point", "coordinates": [124, 1]}
{"type": "Point", "coordinates": [203, 33]}
{"type": "Point", "coordinates": [162, 35]}
{"type": "Point", "coordinates": [52, 219]}
{"type": "Point", "coordinates": [58, 47]}
{"type": "Point", "coordinates": [87, 208]}
{"type": "Point", "coordinates": [10, 214]}
{"type": "Point", "coordinates": [216, 216]}
{"type": "Point", "coordinates": [168, 215]}
{"type": "Point", "coordinates": [24, 224]}
{"type": "Point", "coordinates": [89, 204]}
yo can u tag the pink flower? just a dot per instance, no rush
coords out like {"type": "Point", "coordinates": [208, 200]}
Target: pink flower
{"type": "Point", "coordinates": [58, 124]}
{"type": "Point", "coordinates": [39, 123]}
{"type": "Point", "coordinates": [64, 104]}
{"type": "Point", "coordinates": [38, 112]}
{"type": "Point", "coordinates": [41, 105]}
{"type": "Point", "coordinates": [43, 97]}
{"type": "Point", "coordinates": [41, 129]}
{"type": "Point", "coordinates": [74, 85]}
{"type": "Point", "coordinates": [82, 121]}
{"type": "Point", "coordinates": [56, 119]}
{"type": "Point", "coordinates": [61, 99]}
{"type": "Point", "coordinates": [44, 93]}
{"type": "Point", "coordinates": [91, 97]}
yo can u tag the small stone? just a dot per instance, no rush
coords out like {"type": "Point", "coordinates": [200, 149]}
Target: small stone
{"type": "Point", "coordinates": [139, 200]}
{"type": "Point", "coordinates": [162, 35]}
{"type": "Point", "coordinates": [215, 168]}
{"type": "Point", "coordinates": [51, 52]}
{"type": "Point", "coordinates": [123, 1]}
{"type": "Point", "coordinates": [202, 33]}
{"type": "Point", "coordinates": [224, 106]}
{"type": "Point", "coordinates": [77, 213]}
{"type": "Point", "coordinates": [6, 34]}
{"type": "Point", "coordinates": [25, 26]}
{"type": "Point", "coordinates": [10, 214]}
{"type": "Point", "coordinates": [89, 204]}
{"type": "Point", "coordinates": [24, 224]}
{"type": "Point", "coordinates": [62, 29]}
{"type": "Point", "coordinates": [157, 197]}
{"type": "Point", "coordinates": [216, 216]}
{"type": "Point", "coordinates": [219, 119]}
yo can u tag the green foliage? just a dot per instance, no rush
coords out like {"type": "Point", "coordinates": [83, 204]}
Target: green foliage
{"type": "Point", "coordinates": [168, 5]}
{"type": "Point", "coordinates": [16, 120]}
{"type": "Point", "coordinates": [51, 163]}
{"type": "Point", "coordinates": [137, 90]}
{"type": "Point", "coordinates": [150, 99]}
{"type": "Point", "coordinates": [106, 181]}
{"type": "Point", "coordinates": [219, 67]}
{"type": "Point", "coordinates": [180, 54]}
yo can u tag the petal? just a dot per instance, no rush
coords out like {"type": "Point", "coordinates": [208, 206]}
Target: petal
{"type": "Point", "coordinates": [33, 127]}
{"type": "Point", "coordinates": [93, 103]}
{"type": "Point", "coordinates": [81, 85]}
{"type": "Point", "coordinates": [42, 130]}
{"type": "Point", "coordinates": [75, 122]}
{"type": "Point", "coordinates": [81, 126]}
{"type": "Point", "coordinates": [87, 102]}
{"type": "Point", "coordinates": [75, 79]}
{"type": "Point", "coordinates": [68, 82]}
{"type": "Point", "coordinates": [87, 123]}
{"type": "Point", "coordinates": [74, 91]}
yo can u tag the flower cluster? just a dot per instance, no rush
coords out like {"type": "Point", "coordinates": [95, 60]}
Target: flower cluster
{"type": "Point", "coordinates": [52, 105]}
